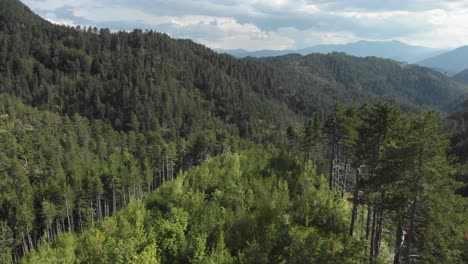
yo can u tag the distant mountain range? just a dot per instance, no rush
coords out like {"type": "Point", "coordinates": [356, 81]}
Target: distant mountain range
{"type": "Point", "coordinates": [394, 50]}
{"type": "Point", "coordinates": [462, 76]}
{"type": "Point", "coordinates": [450, 63]}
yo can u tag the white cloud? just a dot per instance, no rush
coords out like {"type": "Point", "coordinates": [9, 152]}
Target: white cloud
{"type": "Point", "coordinates": [51, 5]}
{"type": "Point", "coordinates": [298, 7]}
{"type": "Point", "coordinates": [112, 14]}
{"type": "Point", "coordinates": [448, 29]}
{"type": "Point", "coordinates": [60, 21]}
{"type": "Point", "coordinates": [274, 24]}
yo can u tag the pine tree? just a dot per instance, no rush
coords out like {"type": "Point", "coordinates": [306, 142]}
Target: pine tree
{"type": "Point", "coordinates": [416, 173]}
{"type": "Point", "coordinates": [312, 135]}
{"type": "Point", "coordinates": [378, 123]}
{"type": "Point", "coordinates": [340, 128]}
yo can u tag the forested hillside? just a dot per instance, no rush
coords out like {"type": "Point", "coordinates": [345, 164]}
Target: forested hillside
{"type": "Point", "coordinates": [140, 81]}
{"type": "Point", "coordinates": [259, 205]}
{"type": "Point", "coordinates": [462, 76]}
{"type": "Point", "coordinates": [65, 173]}
{"type": "Point", "coordinates": [144, 81]}
{"type": "Point", "coordinates": [365, 79]}
{"type": "Point", "coordinates": [133, 147]}
{"type": "Point", "coordinates": [251, 207]}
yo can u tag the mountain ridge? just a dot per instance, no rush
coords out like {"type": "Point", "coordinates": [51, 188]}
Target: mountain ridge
{"type": "Point", "coordinates": [450, 63]}
{"type": "Point", "coordinates": [374, 77]}
{"type": "Point", "coordinates": [144, 80]}
{"type": "Point", "coordinates": [395, 50]}
{"type": "Point", "coordinates": [462, 76]}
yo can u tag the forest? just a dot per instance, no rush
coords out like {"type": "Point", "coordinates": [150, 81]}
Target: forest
{"type": "Point", "coordinates": [250, 204]}
{"type": "Point", "coordinates": [133, 147]}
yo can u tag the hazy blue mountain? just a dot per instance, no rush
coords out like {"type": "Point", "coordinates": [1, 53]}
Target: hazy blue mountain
{"type": "Point", "coordinates": [451, 62]}
{"type": "Point", "coordinates": [395, 50]}
{"type": "Point", "coordinates": [242, 53]}
{"type": "Point", "coordinates": [462, 76]}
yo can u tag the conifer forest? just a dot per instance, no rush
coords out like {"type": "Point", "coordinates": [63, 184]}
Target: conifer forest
{"type": "Point", "coordinates": [136, 147]}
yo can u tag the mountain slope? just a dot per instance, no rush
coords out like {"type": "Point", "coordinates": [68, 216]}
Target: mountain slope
{"type": "Point", "coordinates": [135, 81]}
{"type": "Point", "coordinates": [462, 77]}
{"type": "Point", "coordinates": [367, 79]}
{"type": "Point", "coordinates": [450, 62]}
{"type": "Point", "coordinates": [251, 207]}
{"type": "Point", "coordinates": [145, 81]}
{"type": "Point", "coordinates": [395, 50]}
{"type": "Point", "coordinates": [155, 107]}
{"type": "Point", "coordinates": [62, 174]}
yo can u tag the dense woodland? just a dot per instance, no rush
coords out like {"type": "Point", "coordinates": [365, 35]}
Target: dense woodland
{"type": "Point", "coordinates": [402, 84]}
{"type": "Point", "coordinates": [262, 205]}
{"type": "Point", "coordinates": [139, 148]}
{"type": "Point", "coordinates": [146, 81]}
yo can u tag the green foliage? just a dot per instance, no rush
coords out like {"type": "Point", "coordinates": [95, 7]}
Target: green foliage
{"type": "Point", "coordinates": [235, 208]}
{"type": "Point", "coordinates": [362, 80]}
{"type": "Point", "coordinates": [421, 191]}
{"type": "Point", "coordinates": [138, 81]}
{"type": "Point", "coordinates": [6, 243]}
{"type": "Point", "coordinates": [65, 174]}
{"type": "Point", "coordinates": [146, 81]}
{"type": "Point", "coordinates": [123, 117]}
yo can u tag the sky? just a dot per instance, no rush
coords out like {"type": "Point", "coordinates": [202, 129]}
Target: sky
{"type": "Point", "coordinates": [273, 24]}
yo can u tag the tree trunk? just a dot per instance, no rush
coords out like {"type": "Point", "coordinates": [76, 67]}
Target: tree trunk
{"type": "Point", "coordinates": [98, 208]}
{"type": "Point", "coordinates": [355, 204]}
{"type": "Point", "coordinates": [411, 231]}
{"type": "Point", "coordinates": [124, 202]}
{"type": "Point", "coordinates": [373, 229]}
{"type": "Point", "coordinates": [369, 216]}
{"type": "Point", "coordinates": [92, 213]}
{"type": "Point", "coordinates": [362, 223]}
{"type": "Point", "coordinates": [57, 227]}
{"type": "Point", "coordinates": [160, 182]}
{"type": "Point", "coordinates": [16, 256]}
{"type": "Point", "coordinates": [380, 224]}
{"type": "Point", "coordinates": [31, 244]}
{"type": "Point", "coordinates": [172, 170]}
{"type": "Point", "coordinates": [68, 214]}
{"type": "Point", "coordinates": [25, 246]}
{"type": "Point", "coordinates": [167, 167]}
{"type": "Point", "coordinates": [163, 172]}
{"type": "Point", "coordinates": [332, 160]}
{"type": "Point", "coordinates": [399, 242]}
{"type": "Point", "coordinates": [414, 207]}
{"type": "Point", "coordinates": [80, 220]}
{"type": "Point", "coordinates": [343, 191]}
{"type": "Point", "coordinates": [114, 201]}
{"type": "Point", "coordinates": [315, 156]}
{"type": "Point", "coordinates": [106, 207]}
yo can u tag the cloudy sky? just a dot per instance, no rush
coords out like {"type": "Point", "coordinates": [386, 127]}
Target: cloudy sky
{"type": "Point", "coordinates": [273, 24]}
